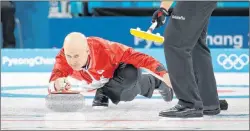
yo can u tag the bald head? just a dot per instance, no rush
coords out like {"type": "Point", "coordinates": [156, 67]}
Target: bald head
{"type": "Point", "coordinates": [75, 40]}
{"type": "Point", "coordinates": [76, 50]}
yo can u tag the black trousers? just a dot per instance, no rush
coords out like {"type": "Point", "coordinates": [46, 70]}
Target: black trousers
{"type": "Point", "coordinates": [8, 24]}
{"type": "Point", "coordinates": [128, 82]}
{"type": "Point", "coordinates": [188, 57]}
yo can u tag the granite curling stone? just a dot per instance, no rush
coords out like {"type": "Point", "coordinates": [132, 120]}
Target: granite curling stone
{"type": "Point", "coordinates": [65, 102]}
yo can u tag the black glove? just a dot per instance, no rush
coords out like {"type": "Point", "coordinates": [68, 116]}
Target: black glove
{"type": "Point", "coordinates": [160, 16]}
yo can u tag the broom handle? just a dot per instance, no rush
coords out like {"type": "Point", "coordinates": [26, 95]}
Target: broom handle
{"type": "Point", "coordinates": [152, 27]}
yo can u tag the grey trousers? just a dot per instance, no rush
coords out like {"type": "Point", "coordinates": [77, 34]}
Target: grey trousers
{"type": "Point", "coordinates": [188, 57]}
{"type": "Point", "coordinates": [128, 82]}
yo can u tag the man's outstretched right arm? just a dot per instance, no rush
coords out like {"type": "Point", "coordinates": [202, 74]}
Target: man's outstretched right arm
{"type": "Point", "coordinates": [61, 69]}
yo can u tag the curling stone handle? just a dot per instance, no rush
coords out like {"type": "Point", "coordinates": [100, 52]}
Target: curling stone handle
{"type": "Point", "coordinates": [152, 27]}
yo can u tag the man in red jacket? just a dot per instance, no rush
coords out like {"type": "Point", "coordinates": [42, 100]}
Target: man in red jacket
{"type": "Point", "coordinates": [111, 68]}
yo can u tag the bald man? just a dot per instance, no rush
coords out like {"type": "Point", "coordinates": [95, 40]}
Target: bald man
{"type": "Point", "coordinates": [110, 67]}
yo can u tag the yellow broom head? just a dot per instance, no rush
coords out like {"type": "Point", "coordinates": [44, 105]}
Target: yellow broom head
{"type": "Point", "coordinates": [146, 35]}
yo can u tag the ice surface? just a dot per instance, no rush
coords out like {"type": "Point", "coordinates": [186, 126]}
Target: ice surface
{"type": "Point", "coordinates": [141, 114]}
{"type": "Point", "coordinates": [23, 107]}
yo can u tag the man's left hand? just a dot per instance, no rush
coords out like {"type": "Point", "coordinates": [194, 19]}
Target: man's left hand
{"type": "Point", "coordinates": [166, 79]}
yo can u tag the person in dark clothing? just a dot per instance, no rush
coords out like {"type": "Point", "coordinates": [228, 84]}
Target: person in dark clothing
{"type": "Point", "coordinates": [188, 58]}
{"type": "Point", "coordinates": [8, 24]}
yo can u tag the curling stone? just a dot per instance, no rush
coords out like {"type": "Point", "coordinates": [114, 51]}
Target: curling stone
{"type": "Point", "coordinates": [65, 102]}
